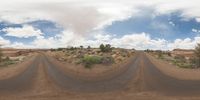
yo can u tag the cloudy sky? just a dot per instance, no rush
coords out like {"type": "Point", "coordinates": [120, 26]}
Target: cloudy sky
{"type": "Point", "coordinates": [139, 24]}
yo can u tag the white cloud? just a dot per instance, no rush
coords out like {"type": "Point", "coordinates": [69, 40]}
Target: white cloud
{"type": "Point", "coordinates": [136, 40]}
{"type": "Point", "coordinates": [171, 23]}
{"type": "Point", "coordinates": [195, 30]}
{"type": "Point", "coordinates": [19, 45]}
{"type": "Point", "coordinates": [144, 41]}
{"type": "Point", "coordinates": [82, 17]}
{"type": "Point", "coordinates": [139, 41]}
{"type": "Point", "coordinates": [22, 32]}
{"type": "Point", "coordinates": [63, 39]}
{"type": "Point", "coordinates": [4, 41]}
{"type": "Point", "coordinates": [76, 15]}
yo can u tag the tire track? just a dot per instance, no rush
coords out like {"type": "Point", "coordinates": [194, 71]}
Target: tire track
{"type": "Point", "coordinates": [69, 83]}
{"type": "Point", "coordinates": [159, 82]}
{"type": "Point", "coordinates": [22, 81]}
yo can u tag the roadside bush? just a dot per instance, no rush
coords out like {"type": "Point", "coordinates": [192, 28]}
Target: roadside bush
{"type": "Point", "coordinates": [9, 62]}
{"type": "Point", "coordinates": [160, 54]}
{"type": "Point", "coordinates": [194, 62]}
{"type": "Point", "coordinates": [89, 60]}
{"type": "Point", "coordinates": [1, 55]}
{"type": "Point", "coordinates": [7, 58]}
{"type": "Point", "coordinates": [169, 54]}
{"type": "Point", "coordinates": [72, 48]}
{"type": "Point", "coordinates": [81, 47]}
{"type": "Point", "coordinates": [88, 47]}
{"type": "Point", "coordinates": [52, 49]}
{"type": "Point", "coordinates": [147, 50]}
{"type": "Point", "coordinates": [61, 49]}
{"type": "Point", "coordinates": [197, 54]}
{"type": "Point", "coordinates": [105, 48]}
{"type": "Point", "coordinates": [107, 60]}
{"type": "Point", "coordinates": [180, 58]}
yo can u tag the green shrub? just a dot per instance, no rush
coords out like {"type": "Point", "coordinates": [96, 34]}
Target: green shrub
{"type": "Point", "coordinates": [89, 60]}
{"type": "Point", "coordinates": [107, 60]}
{"type": "Point", "coordinates": [159, 54]}
{"type": "Point", "coordinates": [105, 48]}
{"type": "Point", "coordinates": [102, 47]}
{"type": "Point", "coordinates": [9, 62]}
{"type": "Point", "coordinates": [7, 58]}
{"type": "Point", "coordinates": [88, 47]}
{"type": "Point", "coordinates": [1, 55]}
{"type": "Point", "coordinates": [180, 58]}
{"type": "Point", "coordinates": [60, 49]}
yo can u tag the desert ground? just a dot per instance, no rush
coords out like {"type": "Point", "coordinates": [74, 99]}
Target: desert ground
{"type": "Point", "coordinates": [139, 76]}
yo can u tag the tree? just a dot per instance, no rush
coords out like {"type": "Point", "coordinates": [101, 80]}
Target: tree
{"type": "Point", "coordinates": [81, 47]}
{"type": "Point", "coordinates": [105, 48]}
{"type": "Point", "coordinates": [102, 47]}
{"type": "Point", "coordinates": [169, 54]}
{"type": "Point", "coordinates": [88, 47]}
{"type": "Point", "coordinates": [197, 54]}
{"type": "Point", "coordinates": [108, 48]}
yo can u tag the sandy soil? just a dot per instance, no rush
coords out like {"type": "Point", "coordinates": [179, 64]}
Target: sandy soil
{"type": "Point", "coordinates": [174, 71]}
{"type": "Point", "coordinates": [44, 88]}
{"type": "Point", "coordinates": [97, 72]}
{"type": "Point", "coordinates": [15, 69]}
{"type": "Point", "coordinates": [122, 95]}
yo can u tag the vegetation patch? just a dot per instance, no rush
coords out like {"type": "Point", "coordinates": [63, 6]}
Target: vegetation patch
{"type": "Point", "coordinates": [179, 59]}
{"type": "Point", "coordinates": [90, 60]}
{"type": "Point", "coordinates": [88, 56]}
{"type": "Point", "coordinates": [6, 61]}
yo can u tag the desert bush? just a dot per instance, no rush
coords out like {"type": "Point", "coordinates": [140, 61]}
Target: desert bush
{"type": "Point", "coordinates": [1, 55]}
{"type": "Point", "coordinates": [147, 50]}
{"type": "Point", "coordinates": [105, 48]}
{"type": "Point", "coordinates": [61, 49]}
{"type": "Point", "coordinates": [160, 54]}
{"type": "Point", "coordinates": [81, 47]}
{"type": "Point", "coordinates": [102, 47]}
{"type": "Point", "coordinates": [107, 60]}
{"type": "Point", "coordinates": [9, 62]}
{"type": "Point", "coordinates": [88, 47]}
{"type": "Point", "coordinates": [193, 62]}
{"type": "Point", "coordinates": [169, 54]}
{"type": "Point", "coordinates": [52, 49]}
{"type": "Point", "coordinates": [7, 58]}
{"type": "Point", "coordinates": [197, 54]}
{"type": "Point", "coordinates": [180, 58]}
{"type": "Point", "coordinates": [72, 48]}
{"type": "Point", "coordinates": [89, 60]}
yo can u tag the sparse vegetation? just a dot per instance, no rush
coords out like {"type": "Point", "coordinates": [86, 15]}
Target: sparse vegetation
{"type": "Point", "coordinates": [6, 61]}
{"type": "Point", "coordinates": [105, 48]}
{"type": "Point", "coordinates": [88, 47]}
{"type": "Point", "coordinates": [1, 55]}
{"type": "Point", "coordinates": [81, 47]}
{"type": "Point", "coordinates": [105, 55]}
{"type": "Point", "coordinates": [160, 54]}
{"type": "Point", "coordinates": [197, 54]}
{"type": "Point", "coordinates": [89, 60]}
{"type": "Point", "coordinates": [178, 60]}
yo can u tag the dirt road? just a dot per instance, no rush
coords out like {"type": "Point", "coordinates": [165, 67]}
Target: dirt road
{"type": "Point", "coordinates": [44, 80]}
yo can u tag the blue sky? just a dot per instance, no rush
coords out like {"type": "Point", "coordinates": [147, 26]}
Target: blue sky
{"type": "Point", "coordinates": [141, 25]}
{"type": "Point", "coordinates": [169, 26]}
{"type": "Point", "coordinates": [49, 29]}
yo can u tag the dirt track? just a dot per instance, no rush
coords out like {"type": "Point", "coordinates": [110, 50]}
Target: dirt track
{"type": "Point", "coordinates": [141, 80]}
